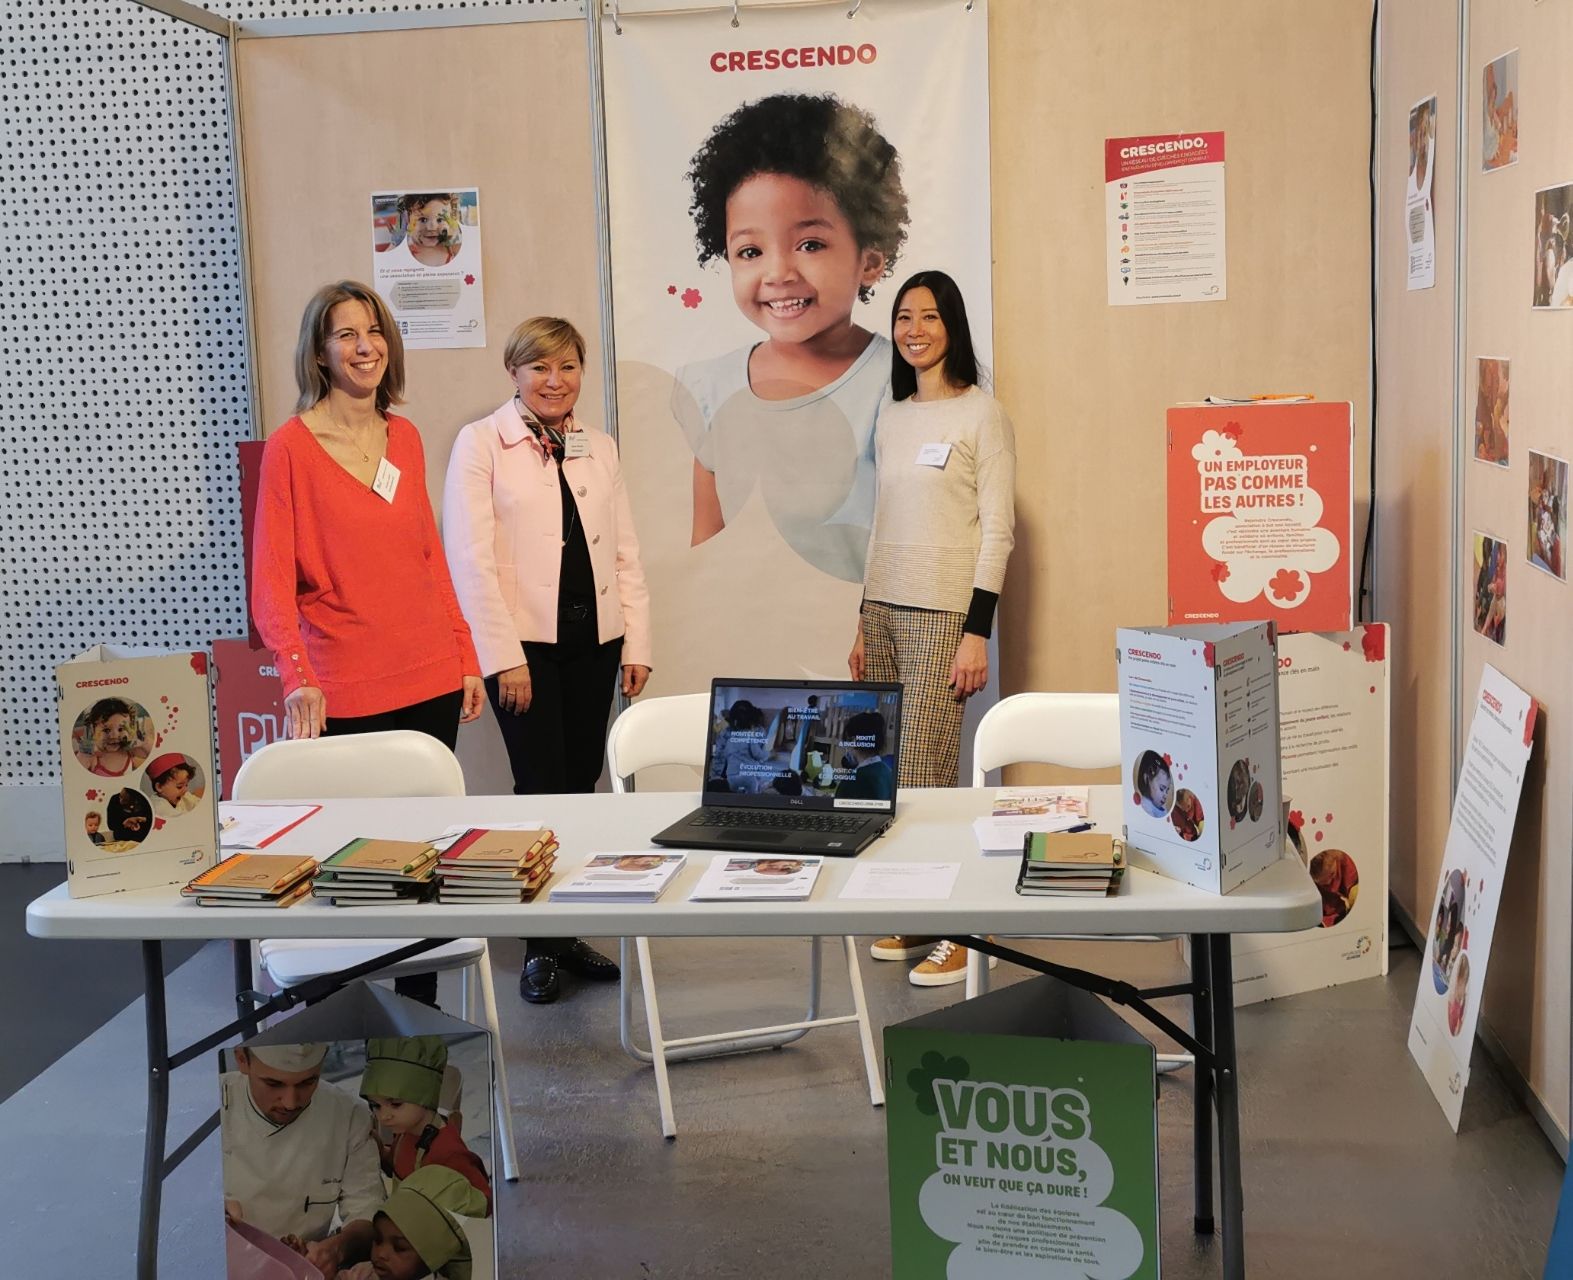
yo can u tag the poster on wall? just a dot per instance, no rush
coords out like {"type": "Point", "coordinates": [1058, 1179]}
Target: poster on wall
{"type": "Point", "coordinates": [1491, 410]}
{"type": "Point", "coordinates": [1548, 513]}
{"type": "Point", "coordinates": [136, 748]}
{"type": "Point", "coordinates": [771, 186]}
{"type": "Point", "coordinates": [426, 263]}
{"type": "Point", "coordinates": [1553, 231]}
{"type": "Point", "coordinates": [1488, 600]}
{"type": "Point", "coordinates": [1333, 702]}
{"type": "Point", "coordinates": [1016, 1153]}
{"type": "Point", "coordinates": [1499, 113]}
{"type": "Point", "coordinates": [1260, 514]}
{"type": "Point", "coordinates": [1463, 914]}
{"type": "Point", "coordinates": [1164, 206]}
{"type": "Point", "coordinates": [1419, 215]}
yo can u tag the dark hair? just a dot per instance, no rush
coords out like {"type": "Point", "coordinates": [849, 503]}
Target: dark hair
{"type": "Point", "coordinates": [819, 139]}
{"type": "Point", "coordinates": [170, 772]}
{"type": "Point", "coordinates": [866, 724]}
{"type": "Point", "coordinates": [961, 364]}
{"type": "Point", "coordinates": [743, 714]}
{"type": "Point", "coordinates": [101, 710]}
{"type": "Point", "coordinates": [1148, 768]}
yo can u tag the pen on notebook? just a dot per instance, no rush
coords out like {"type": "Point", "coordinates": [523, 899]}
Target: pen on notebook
{"type": "Point", "coordinates": [1080, 826]}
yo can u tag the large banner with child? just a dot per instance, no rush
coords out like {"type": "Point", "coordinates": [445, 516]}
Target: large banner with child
{"type": "Point", "coordinates": [800, 167]}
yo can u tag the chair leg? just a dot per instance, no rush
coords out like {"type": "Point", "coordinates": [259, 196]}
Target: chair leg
{"type": "Point", "coordinates": [503, 1111]}
{"type": "Point", "coordinates": [652, 1011]}
{"type": "Point", "coordinates": [876, 1085]}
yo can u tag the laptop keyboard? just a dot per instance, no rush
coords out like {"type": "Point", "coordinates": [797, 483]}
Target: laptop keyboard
{"type": "Point", "coordinates": [768, 820]}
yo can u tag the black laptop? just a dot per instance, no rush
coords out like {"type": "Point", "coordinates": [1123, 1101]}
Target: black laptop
{"type": "Point", "coordinates": [796, 766]}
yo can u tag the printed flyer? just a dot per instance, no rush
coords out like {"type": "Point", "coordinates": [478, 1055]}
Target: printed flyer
{"type": "Point", "coordinates": [136, 750]}
{"type": "Point", "coordinates": [1419, 213]}
{"type": "Point", "coordinates": [1333, 704]}
{"type": "Point", "coordinates": [1261, 520]}
{"type": "Point", "coordinates": [426, 263]}
{"type": "Point", "coordinates": [1164, 199]}
{"type": "Point", "coordinates": [1014, 1155]}
{"type": "Point", "coordinates": [1199, 739]}
{"type": "Point", "coordinates": [1464, 913]}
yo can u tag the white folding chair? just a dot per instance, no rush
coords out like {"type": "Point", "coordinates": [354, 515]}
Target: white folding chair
{"type": "Point", "coordinates": [372, 766]}
{"type": "Point", "coordinates": [1071, 730]}
{"type": "Point", "coordinates": [667, 731]}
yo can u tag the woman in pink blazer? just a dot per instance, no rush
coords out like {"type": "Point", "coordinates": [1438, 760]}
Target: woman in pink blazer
{"type": "Point", "coordinates": [541, 544]}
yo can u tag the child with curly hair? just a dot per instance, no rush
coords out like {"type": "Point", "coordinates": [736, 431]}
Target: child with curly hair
{"type": "Point", "coordinates": [801, 196]}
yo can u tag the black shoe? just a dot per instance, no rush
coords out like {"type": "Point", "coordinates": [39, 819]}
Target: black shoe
{"type": "Point", "coordinates": [538, 982]}
{"type": "Point", "coordinates": [582, 960]}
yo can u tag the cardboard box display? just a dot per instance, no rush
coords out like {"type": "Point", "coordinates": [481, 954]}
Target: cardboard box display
{"type": "Point", "coordinates": [1200, 750]}
{"type": "Point", "coordinates": [136, 764]}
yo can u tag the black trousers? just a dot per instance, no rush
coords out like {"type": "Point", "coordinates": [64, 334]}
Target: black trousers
{"type": "Point", "coordinates": [438, 717]}
{"type": "Point", "coordinates": [559, 744]}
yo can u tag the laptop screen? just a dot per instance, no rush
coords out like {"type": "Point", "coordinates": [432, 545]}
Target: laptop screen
{"type": "Point", "coordinates": [788, 744]}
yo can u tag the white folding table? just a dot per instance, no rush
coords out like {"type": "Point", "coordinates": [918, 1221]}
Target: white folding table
{"type": "Point", "coordinates": [931, 826]}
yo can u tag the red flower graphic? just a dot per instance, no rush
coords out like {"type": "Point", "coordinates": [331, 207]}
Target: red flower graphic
{"type": "Point", "coordinates": [691, 298]}
{"type": "Point", "coordinates": [671, 288]}
{"type": "Point", "coordinates": [469, 279]}
{"type": "Point", "coordinates": [1373, 641]}
{"type": "Point", "coordinates": [1168, 759]}
{"type": "Point", "coordinates": [1296, 819]}
{"type": "Point", "coordinates": [1286, 584]}
{"type": "Point", "coordinates": [199, 664]}
{"type": "Point", "coordinates": [1208, 654]}
{"type": "Point", "coordinates": [1220, 571]}
{"type": "Point", "coordinates": [1233, 430]}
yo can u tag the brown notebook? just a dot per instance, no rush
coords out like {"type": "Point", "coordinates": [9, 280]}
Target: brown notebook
{"type": "Point", "coordinates": [252, 875]}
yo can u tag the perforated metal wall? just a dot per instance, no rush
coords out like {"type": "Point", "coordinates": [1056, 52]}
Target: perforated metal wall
{"type": "Point", "coordinates": [123, 385]}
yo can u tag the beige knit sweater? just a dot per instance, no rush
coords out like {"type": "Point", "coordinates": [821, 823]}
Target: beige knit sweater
{"type": "Point", "coordinates": [940, 532]}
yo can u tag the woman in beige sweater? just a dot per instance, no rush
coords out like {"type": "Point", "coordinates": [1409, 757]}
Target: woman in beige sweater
{"type": "Point", "coordinates": [944, 522]}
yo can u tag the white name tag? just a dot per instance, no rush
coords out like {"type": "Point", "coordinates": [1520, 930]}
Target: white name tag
{"type": "Point", "coordinates": [386, 483]}
{"type": "Point", "coordinates": [933, 455]}
{"type": "Point", "coordinates": [576, 445]}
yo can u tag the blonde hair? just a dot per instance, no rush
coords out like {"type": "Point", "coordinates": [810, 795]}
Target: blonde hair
{"type": "Point", "coordinates": [311, 375]}
{"type": "Point", "coordinates": [541, 337]}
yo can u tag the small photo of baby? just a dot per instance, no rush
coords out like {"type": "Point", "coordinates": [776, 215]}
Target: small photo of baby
{"type": "Point", "coordinates": [173, 783]}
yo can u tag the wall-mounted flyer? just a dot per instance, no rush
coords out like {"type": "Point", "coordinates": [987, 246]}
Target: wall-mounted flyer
{"type": "Point", "coordinates": [1464, 913]}
{"type": "Point", "coordinates": [1333, 733]}
{"type": "Point", "coordinates": [1261, 520]}
{"type": "Point", "coordinates": [1164, 200]}
{"type": "Point", "coordinates": [136, 764]}
{"type": "Point", "coordinates": [1199, 747]}
{"type": "Point", "coordinates": [1419, 211]}
{"type": "Point", "coordinates": [426, 264]}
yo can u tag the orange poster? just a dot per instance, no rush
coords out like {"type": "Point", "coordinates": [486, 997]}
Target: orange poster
{"type": "Point", "coordinates": [1261, 519]}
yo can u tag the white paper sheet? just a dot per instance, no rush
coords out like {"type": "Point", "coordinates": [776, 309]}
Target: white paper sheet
{"type": "Point", "coordinates": [254, 826]}
{"type": "Point", "coordinates": [904, 880]}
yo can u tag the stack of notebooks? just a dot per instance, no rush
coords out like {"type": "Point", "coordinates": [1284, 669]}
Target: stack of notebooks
{"type": "Point", "coordinates": [495, 866]}
{"type": "Point", "coordinates": [254, 880]}
{"type": "Point", "coordinates": [1064, 865]}
{"type": "Point", "coordinates": [621, 877]}
{"type": "Point", "coordinates": [378, 873]}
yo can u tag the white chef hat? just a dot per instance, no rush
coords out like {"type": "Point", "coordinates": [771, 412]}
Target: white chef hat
{"type": "Point", "coordinates": [288, 1057]}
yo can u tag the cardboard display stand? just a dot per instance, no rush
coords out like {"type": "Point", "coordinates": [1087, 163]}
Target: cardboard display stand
{"type": "Point", "coordinates": [331, 1040]}
{"type": "Point", "coordinates": [1199, 745]}
{"type": "Point", "coordinates": [1333, 716]}
{"type": "Point", "coordinates": [136, 761]}
{"type": "Point", "coordinates": [250, 703]}
{"type": "Point", "coordinates": [1023, 1139]}
{"type": "Point", "coordinates": [1469, 890]}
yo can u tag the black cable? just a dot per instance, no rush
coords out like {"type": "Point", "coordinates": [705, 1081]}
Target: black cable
{"type": "Point", "coordinates": [1361, 611]}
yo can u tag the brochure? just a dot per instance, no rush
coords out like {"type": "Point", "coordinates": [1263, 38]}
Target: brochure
{"type": "Point", "coordinates": [621, 877]}
{"type": "Point", "coordinates": [256, 826]}
{"type": "Point", "coordinates": [755, 878]}
{"type": "Point", "coordinates": [1041, 801]}
{"type": "Point", "coordinates": [1004, 834]}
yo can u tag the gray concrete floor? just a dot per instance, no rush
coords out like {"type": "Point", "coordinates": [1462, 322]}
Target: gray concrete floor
{"type": "Point", "coordinates": [779, 1167]}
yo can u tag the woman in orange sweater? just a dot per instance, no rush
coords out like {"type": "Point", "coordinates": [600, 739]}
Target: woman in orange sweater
{"type": "Point", "coordinates": [349, 586]}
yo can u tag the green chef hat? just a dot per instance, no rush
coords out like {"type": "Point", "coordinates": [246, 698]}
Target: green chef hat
{"type": "Point", "coordinates": [422, 1208]}
{"type": "Point", "coordinates": [408, 1068]}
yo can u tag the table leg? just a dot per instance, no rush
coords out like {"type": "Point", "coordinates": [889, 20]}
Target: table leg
{"type": "Point", "coordinates": [1202, 1028]}
{"type": "Point", "coordinates": [245, 983]}
{"type": "Point", "coordinates": [1231, 1189]}
{"type": "Point", "coordinates": [157, 1110]}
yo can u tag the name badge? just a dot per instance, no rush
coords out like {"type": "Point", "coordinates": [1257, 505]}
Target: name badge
{"type": "Point", "coordinates": [576, 445]}
{"type": "Point", "coordinates": [386, 483]}
{"type": "Point", "coordinates": [934, 455]}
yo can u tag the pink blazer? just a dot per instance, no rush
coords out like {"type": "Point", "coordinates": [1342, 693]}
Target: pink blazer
{"type": "Point", "coordinates": [502, 529]}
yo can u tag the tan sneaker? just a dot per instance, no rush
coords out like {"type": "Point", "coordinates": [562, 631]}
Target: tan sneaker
{"type": "Point", "coordinates": [902, 946]}
{"type": "Point", "coordinates": [946, 964]}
